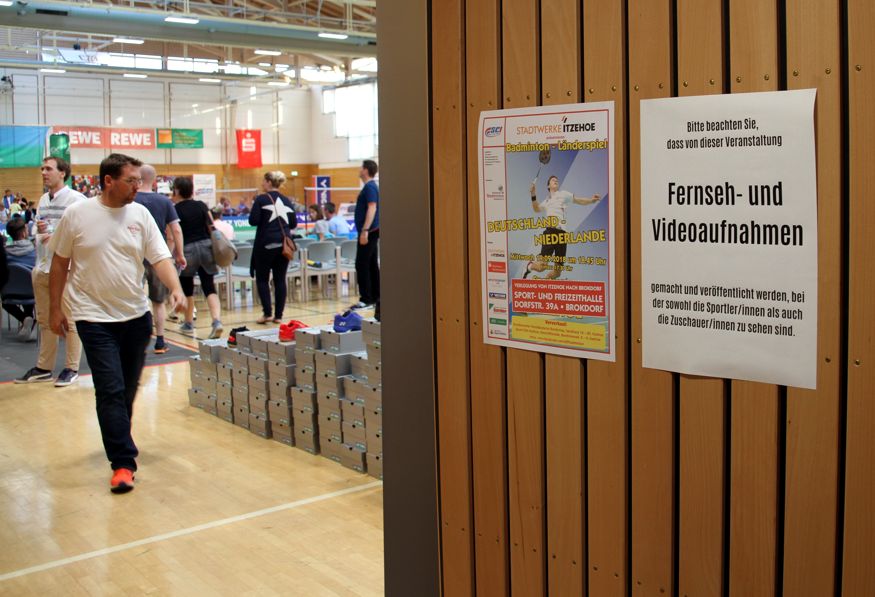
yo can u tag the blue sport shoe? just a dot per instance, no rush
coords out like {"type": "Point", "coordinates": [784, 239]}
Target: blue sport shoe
{"type": "Point", "coordinates": [186, 327]}
{"type": "Point", "coordinates": [348, 321]}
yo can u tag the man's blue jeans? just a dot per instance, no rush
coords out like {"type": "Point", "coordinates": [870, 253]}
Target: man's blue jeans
{"type": "Point", "coordinates": [116, 352]}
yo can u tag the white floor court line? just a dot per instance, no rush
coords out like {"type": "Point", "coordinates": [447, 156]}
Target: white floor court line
{"type": "Point", "coordinates": [187, 531]}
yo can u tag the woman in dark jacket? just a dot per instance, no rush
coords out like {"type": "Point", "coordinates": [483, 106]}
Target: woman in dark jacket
{"type": "Point", "coordinates": [274, 216]}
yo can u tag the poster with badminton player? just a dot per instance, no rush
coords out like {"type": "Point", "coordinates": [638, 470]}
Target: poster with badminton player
{"type": "Point", "coordinates": [547, 229]}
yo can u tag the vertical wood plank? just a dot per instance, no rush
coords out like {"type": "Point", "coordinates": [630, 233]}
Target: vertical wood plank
{"type": "Point", "coordinates": [813, 50]}
{"type": "Point", "coordinates": [451, 292]}
{"type": "Point", "coordinates": [560, 68]}
{"type": "Point", "coordinates": [858, 573]}
{"type": "Point", "coordinates": [754, 455]}
{"type": "Point", "coordinates": [700, 51]}
{"type": "Point", "coordinates": [650, 76]}
{"type": "Point", "coordinates": [525, 370]}
{"type": "Point", "coordinates": [525, 446]}
{"type": "Point", "coordinates": [607, 434]}
{"type": "Point", "coordinates": [488, 406]}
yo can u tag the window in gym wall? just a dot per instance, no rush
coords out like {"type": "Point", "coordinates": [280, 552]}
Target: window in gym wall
{"type": "Point", "coordinates": [355, 117]}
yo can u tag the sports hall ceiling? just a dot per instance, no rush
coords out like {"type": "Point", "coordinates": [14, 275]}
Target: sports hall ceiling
{"type": "Point", "coordinates": [226, 30]}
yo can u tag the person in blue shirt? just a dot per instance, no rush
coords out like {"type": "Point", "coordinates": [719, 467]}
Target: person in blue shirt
{"type": "Point", "coordinates": [23, 253]}
{"type": "Point", "coordinates": [337, 225]}
{"type": "Point", "coordinates": [367, 225]}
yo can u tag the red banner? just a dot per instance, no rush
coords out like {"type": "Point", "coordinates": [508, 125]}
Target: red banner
{"type": "Point", "coordinates": [248, 148]}
{"type": "Point", "coordinates": [100, 137]}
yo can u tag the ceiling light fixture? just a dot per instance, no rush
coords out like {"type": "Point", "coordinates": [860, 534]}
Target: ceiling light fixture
{"type": "Point", "coordinates": [52, 70]}
{"type": "Point", "coordinates": [278, 83]}
{"type": "Point", "coordinates": [136, 76]}
{"type": "Point", "coordinates": [333, 35]}
{"type": "Point", "coordinates": [6, 2]}
{"type": "Point", "coordinates": [210, 80]}
{"type": "Point", "coordinates": [128, 40]}
{"type": "Point", "coordinates": [266, 64]}
{"type": "Point", "coordinates": [268, 52]}
{"type": "Point", "coordinates": [182, 20]}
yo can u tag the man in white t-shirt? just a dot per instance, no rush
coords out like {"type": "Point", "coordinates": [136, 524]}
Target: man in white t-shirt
{"type": "Point", "coordinates": [554, 206]}
{"type": "Point", "coordinates": [106, 240]}
{"type": "Point", "coordinates": [55, 172]}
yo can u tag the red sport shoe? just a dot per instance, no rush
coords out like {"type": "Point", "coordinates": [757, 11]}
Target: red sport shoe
{"type": "Point", "coordinates": [287, 330]}
{"type": "Point", "coordinates": [122, 481]}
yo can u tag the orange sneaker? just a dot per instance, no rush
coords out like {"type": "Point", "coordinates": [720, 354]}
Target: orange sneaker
{"type": "Point", "coordinates": [122, 481]}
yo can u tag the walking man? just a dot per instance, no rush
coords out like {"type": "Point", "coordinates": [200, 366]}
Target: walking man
{"type": "Point", "coordinates": [52, 205]}
{"type": "Point", "coordinates": [164, 213]}
{"type": "Point", "coordinates": [367, 223]}
{"type": "Point", "coordinates": [106, 240]}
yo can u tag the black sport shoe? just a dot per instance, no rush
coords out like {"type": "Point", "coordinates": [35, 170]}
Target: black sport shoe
{"type": "Point", "coordinates": [66, 377]}
{"type": "Point", "coordinates": [35, 374]}
{"type": "Point", "coordinates": [160, 346]}
{"type": "Point", "coordinates": [232, 337]}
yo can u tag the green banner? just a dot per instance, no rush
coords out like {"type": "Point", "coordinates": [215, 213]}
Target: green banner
{"type": "Point", "coordinates": [22, 146]}
{"type": "Point", "coordinates": [180, 138]}
{"type": "Point", "coordinates": [59, 146]}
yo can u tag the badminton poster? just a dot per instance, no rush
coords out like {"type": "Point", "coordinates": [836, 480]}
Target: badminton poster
{"type": "Point", "coordinates": [547, 229]}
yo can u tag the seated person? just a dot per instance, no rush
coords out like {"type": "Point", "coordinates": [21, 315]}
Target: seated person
{"type": "Point", "coordinates": [225, 228]}
{"type": "Point", "coordinates": [320, 224]}
{"type": "Point", "coordinates": [336, 224]}
{"type": "Point", "coordinates": [242, 209]}
{"type": "Point", "coordinates": [21, 252]}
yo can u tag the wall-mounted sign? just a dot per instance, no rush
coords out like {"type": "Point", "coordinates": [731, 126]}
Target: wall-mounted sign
{"type": "Point", "coordinates": [248, 148]}
{"type": "Point", "coordinates": [99, 137]}
{"type": "Point", "coordinates": [729, 236]}
{"type": "Point", "coordinates": [180, 138]}
{"type": "Point", "coordinates": [547, 229]}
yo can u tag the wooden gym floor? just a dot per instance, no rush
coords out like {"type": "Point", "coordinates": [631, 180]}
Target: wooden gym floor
{"type": "Point", "coordinates": [216, 511]}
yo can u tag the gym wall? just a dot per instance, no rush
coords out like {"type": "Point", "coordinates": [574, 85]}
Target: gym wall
{"type": "Point", "coordinates": [558, 476]}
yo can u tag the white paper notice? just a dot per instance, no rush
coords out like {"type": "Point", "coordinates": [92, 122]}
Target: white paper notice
{"type": "Point", "coordinates": [729, 236]}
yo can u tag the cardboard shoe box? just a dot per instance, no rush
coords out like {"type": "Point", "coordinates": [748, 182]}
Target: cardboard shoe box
{"type": "Point", "coordinates": [374, 374]}
{"type": "Point", "coordinates": [240, 377]}
{"type": "Point", "coordinates": [240, 396]}
{"type": "Point", "coordinates": [211, 404]}
{"type": "Point", "coordinates": [325, 382]}
{"type": "Point", "coordinates": [258, 344]}
{"type": "Point", "coordinates": [352, 457]}
{"type": "Point", "coordinates": [342, 342]}
{"type": "Point", "coordinates": [259, 424]}
{"type": "Point", "coordinates": [371, 327]}
{"type": "Point", "coordinates": [305, 419]}
{"type": "Point", "coordinates": [374, 419]}
{"type": "Point", "coordinates": [310, 337]}
{"type": "Point", "coordinates": [209, 350]}
{"type": "Point", "coordinates": [328, 402]}
{"type": "Point", "coordinates": [375, 465]}
{"type": "Point", "coordinates": [280, 411]}
{"type": "Point", "coordinates": [355, 435]}
{"type": "Point", "coordinates": [257, 366]}
{"type": "Point", "coordinates": [223, 390]}
{"type": "Point", "coordinates": [306, 440]}
{"type": "Point", "coordinates": [282, 432]}
{"type": "Point", "coordinates": [375, 352]}
{"type": "Point", "coordinates": [331, 448]}
{"type": "Point", "coordinates": [358, 365]}
{"type": "Point", "coordinates": [224, 373]}
{"type": "Point", "coordinates": [302, 398]}
{"type": "Point", "coordinates": [244, 339]}
{"type": "Point", "coordinates": [331, 363]}
{"type": "Point", "coordinates": [225, 410]}
{"type": "Point", "coordinates": [283, 352]}
{"type": "Point", "coordinates": [330, 425]}
{"type": "Point", "coordinates": [258, 404]}
{"type": "Point", "coordinates": [305, 377]}
{"type": "Point", "coordinates": [277, 371]}
{"type": "Point", "coordinates": [355, 389]}
{"type": "Point", "coordinates": [279, 388]}
{"type": "Point", "coordinates": [258, 385]}
{"type": "Point", "coordinates": [374, 440]}
{"type": "Point", "coordinates": [241, 416]}
{"type": "Point", "coordinates": [374, 398]}
{"type": "Point", "coordinates": [352, 412]}
{"type": "Point", "coordinates": [197, 398]}
{"type": "Point", "coordinates": [226, 356]}
{"type": "Point", "coordinates": [305, 356]}
{"type": "Point", "coordinates": [194, 370]}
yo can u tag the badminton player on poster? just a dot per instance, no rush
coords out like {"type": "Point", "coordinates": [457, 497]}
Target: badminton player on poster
{"type": "Point", "coordinates": [554, 208]}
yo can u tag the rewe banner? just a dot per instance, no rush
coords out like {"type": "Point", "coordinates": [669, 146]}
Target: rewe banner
{"type": "Point", "coordinates": [98, 137]}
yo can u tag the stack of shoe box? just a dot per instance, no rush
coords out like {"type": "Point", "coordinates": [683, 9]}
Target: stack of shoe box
{"type": "Point", "coordinates": [322, 393]}
{"type": "Point", "coordinates": [340, 352]}
{"type": "Point", "coordinates": [303, 393]}
{"type": "Point", "coordinates": [373, 397]}
{"type": "Point", "coordinates": [203, 371]}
